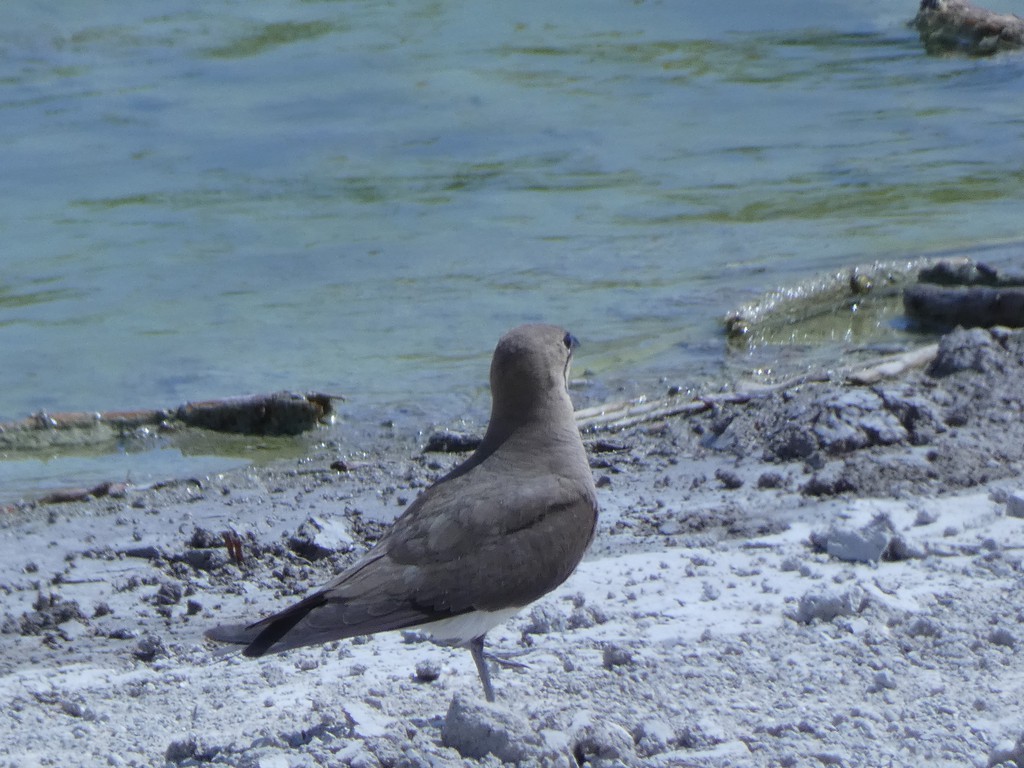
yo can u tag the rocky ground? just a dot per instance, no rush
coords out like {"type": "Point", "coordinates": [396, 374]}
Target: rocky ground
{"type": "Point", "coordinates": [823, 576]}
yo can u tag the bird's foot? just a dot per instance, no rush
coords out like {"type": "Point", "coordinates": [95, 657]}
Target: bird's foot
{"type": "Point", "coordinates": [505, 659]}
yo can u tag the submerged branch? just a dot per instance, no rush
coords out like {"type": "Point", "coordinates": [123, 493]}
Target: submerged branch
{"type": "Point", "coordinates": [279, 413]}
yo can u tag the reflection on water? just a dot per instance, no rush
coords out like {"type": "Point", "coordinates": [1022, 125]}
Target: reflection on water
{"type": "Point", "coordinates": [360, 197]}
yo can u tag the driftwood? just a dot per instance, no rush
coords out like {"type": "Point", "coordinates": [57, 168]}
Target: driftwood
{"type": "Point", "coordinates": [957, 26]}
{"type": "Point", "coordinates": [610, 417]}
{"type": "Point", "coordinates": [895, 365]}
{"type": "Point", "coordinates": [114, 490]}
{"type": "Point", "coordinates": [966, 293]}
{"type": "Point", "coordinates": [280, 413]}
{"type": "Point", "coordinates": [970, 307]}
{"type": "Point", "coordinates": [44, 420]}
{"type": "Point", "coordinates": [966, 272]}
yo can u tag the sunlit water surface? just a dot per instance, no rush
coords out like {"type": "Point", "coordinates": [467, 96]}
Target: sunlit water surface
{"type": "Point", "coordinates": [206, 200]}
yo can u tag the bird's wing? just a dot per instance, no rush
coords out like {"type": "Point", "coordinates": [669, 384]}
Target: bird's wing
{"type": "Point", "coordinates": [460, 546]}
{"type": "Point", "coordinates": [481, 542]}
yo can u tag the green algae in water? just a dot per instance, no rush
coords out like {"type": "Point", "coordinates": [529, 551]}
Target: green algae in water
{"type": "Point", "coordinates": [272, 36]}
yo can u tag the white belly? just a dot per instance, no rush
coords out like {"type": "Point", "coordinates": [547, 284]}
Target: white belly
{"type": "Point", "coordinates": [459, 630]}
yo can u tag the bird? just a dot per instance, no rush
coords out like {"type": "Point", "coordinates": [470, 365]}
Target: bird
{"type": "Point", "coordinates": [496, 533]}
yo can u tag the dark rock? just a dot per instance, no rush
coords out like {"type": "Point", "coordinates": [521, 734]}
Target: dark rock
{"type": "Point", "coordinates": [451, 442]}
{"type": "Point", "coordinates": [791, 443]}
{"type": "Point", "coordinates": [328, 729]}
{"type": "Point", "coordinates": [190, 749]}
{"type": "Point", "coordinates": [1007, 755]}
{"type": "Point", "coordinates": [653, 736]}
{"type": "Point", "coordinates": [728, 478]}
{"type": "Point", "coordinates": [923, 626]}
{"type": "Point", "coordinates": [900, 549]}
{"type": "Point", "coordinates": [967, 272]}
{"type": "Point", "coordinates": [280, 413]}
{"type": "Point", "coordinates": [771, 480]}
{"type": "Point", "coordinates": [1002, 636]}
{"type": "Point", "coordinates": [180, 750]}
{"type": "Point", "coordinates": [169, 593]}
{"type": "Point", "coordinates": [204, 559]}
{"type": "Point", "coordinates": [969, 307]}
{"type": "Point", "coordinates": [49, 612]}
{"type": "Point", "coordinates": [145, 553]}
{"type": "Point", "coordinates": [205, 539]}
{"type": "Point", "coordinates": [427, 672]}
{"type": "Point", "coordinates": [823, 485]}
{"type": "Point", "coordinates": [972, 349]}
{"type": "Point", "coordinates": [584, 616]}
{"type": "Point", "coordinates": [606, 446]}
{"type": "Point", "coordinates": [149, 648]}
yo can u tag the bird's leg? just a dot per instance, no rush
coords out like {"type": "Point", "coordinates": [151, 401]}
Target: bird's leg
{"type": "Point", "coordinates": [476, 647]}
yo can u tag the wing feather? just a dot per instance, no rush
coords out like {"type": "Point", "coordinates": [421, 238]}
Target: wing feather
{"type": "Point", "coordinates": [470, 542]}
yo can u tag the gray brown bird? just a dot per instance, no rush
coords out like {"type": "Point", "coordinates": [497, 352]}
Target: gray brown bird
{"type": "Point", "coordinates": [500, 530]}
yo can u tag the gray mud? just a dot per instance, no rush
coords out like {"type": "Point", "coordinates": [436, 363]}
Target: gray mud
{"type": "Point", "coordinates": [826, 576]}
{"type": "Point", "coordinates": [958, 423]}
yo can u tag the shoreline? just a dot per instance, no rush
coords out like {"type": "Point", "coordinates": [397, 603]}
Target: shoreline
{"type": "Point", "coordinates": [825, 575]}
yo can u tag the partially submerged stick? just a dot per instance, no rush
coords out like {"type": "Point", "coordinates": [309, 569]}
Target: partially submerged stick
{"type": "Point", "coordinates": [895, 365]}
{"type": "Point", "coordinates": [975, 306]}
{"type": "Point", "coordinates": [278, 413]}
{"type": "Point", "coordinates": [611, 417]}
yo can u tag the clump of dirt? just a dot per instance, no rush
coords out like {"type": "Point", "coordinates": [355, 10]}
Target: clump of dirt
{"type": "Point", "coordinates": [48, 613]}
{"type": "Point", "coordinates": [970, 397]}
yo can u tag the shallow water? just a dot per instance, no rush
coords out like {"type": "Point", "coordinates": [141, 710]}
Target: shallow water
{"type": "Point", "coordinates": [361, 197]}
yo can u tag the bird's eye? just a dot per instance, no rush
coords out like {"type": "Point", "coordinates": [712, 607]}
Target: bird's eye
{"type": "Point", "coordinates": [570, 341]}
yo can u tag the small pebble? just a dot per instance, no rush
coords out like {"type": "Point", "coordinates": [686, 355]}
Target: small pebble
{"type": "Point", "coordinates": [427, 672]}
{"type": "Point", "coordinates": [616, 656]}
{"type": "Point", "coordinates": [728, 479]}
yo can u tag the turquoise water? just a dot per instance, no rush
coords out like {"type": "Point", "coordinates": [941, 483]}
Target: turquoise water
{"type": "Point", "coordinates": [360, 197]}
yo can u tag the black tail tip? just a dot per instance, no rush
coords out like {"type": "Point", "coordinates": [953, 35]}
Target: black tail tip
{"type": "Point", "coordinates": [254, 651]}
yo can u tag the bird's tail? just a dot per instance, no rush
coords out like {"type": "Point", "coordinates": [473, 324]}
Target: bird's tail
{"type": "Point", "coordinates": [268, 635]}
{"type": "Point", "coordinates": [237, 634]}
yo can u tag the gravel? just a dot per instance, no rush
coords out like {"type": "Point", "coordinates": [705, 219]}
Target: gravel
{"type": "Point", "coordinates": [826, 577]}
